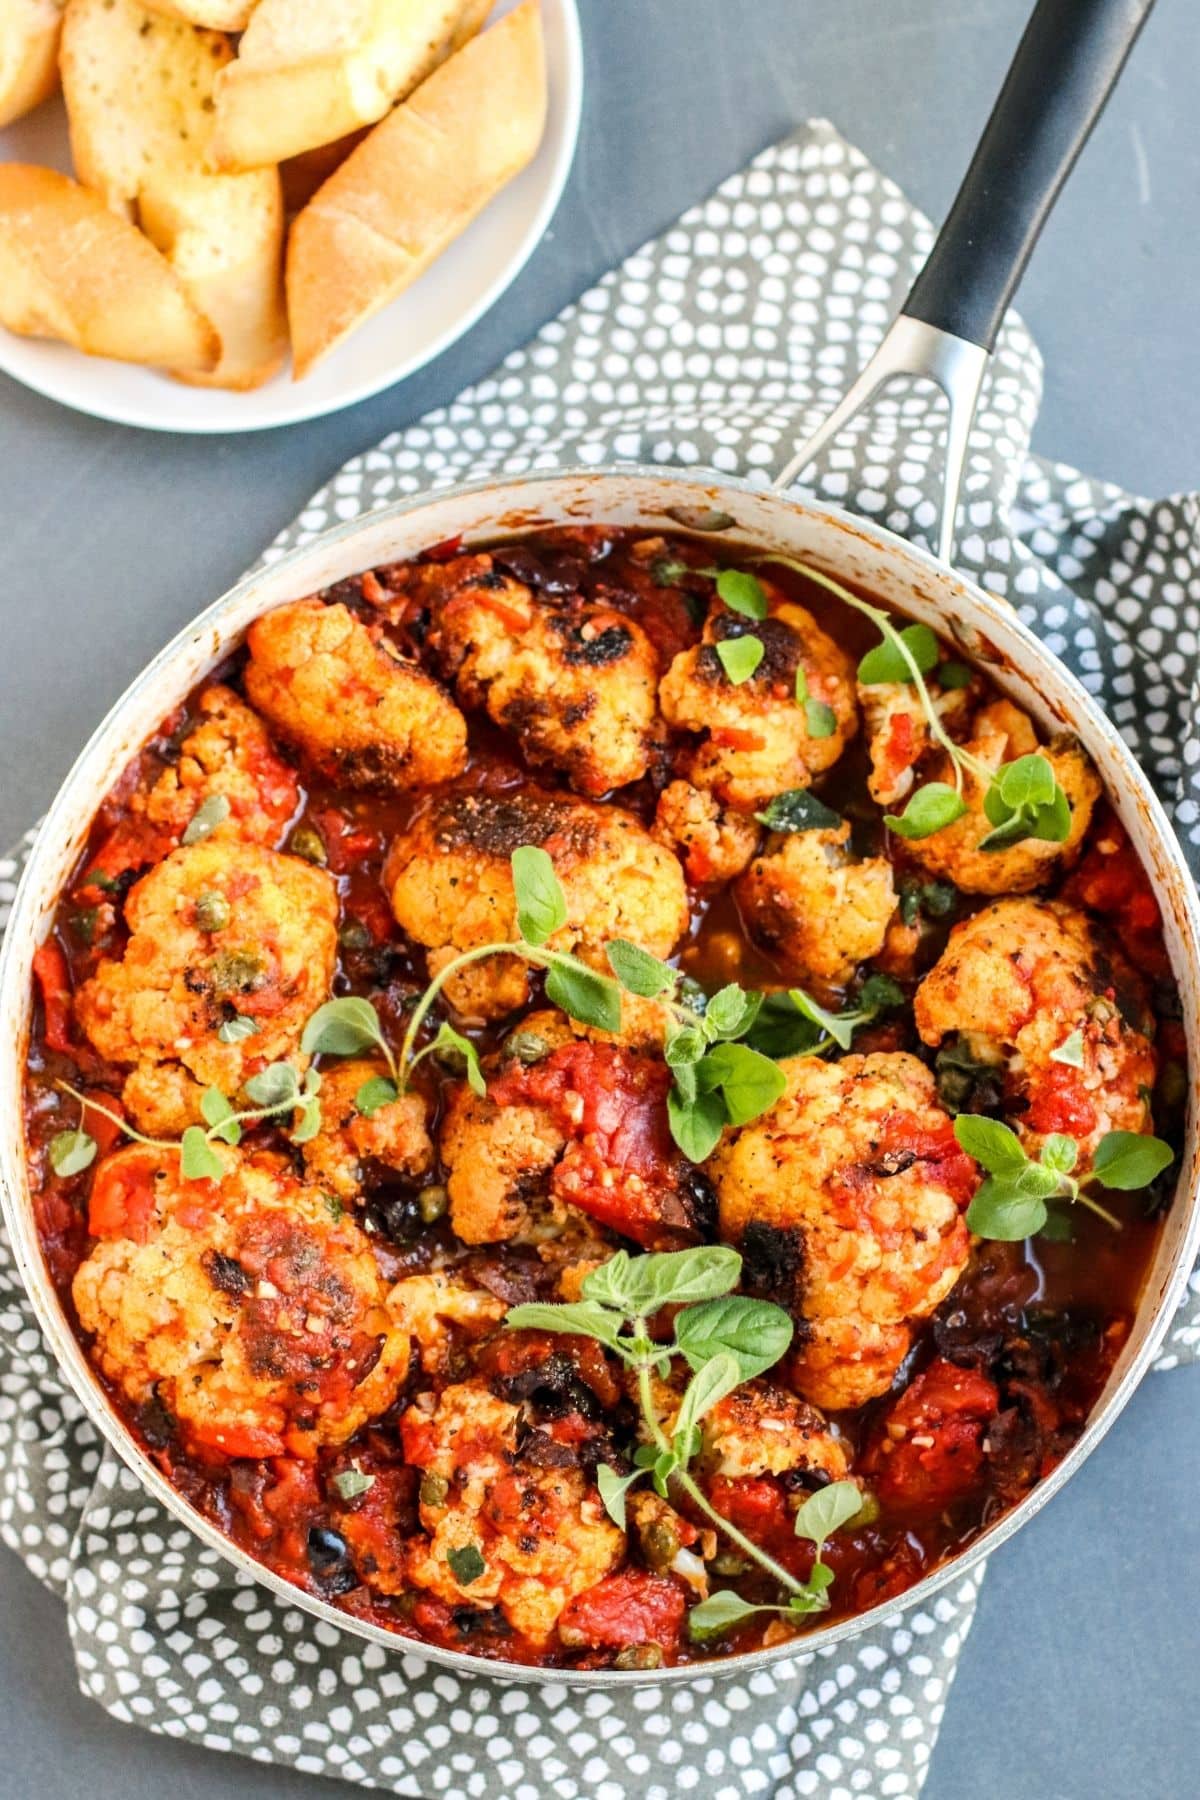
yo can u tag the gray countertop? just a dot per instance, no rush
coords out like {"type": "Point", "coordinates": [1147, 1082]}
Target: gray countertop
{"type": "Point", "coordinates": [1077, 1680]}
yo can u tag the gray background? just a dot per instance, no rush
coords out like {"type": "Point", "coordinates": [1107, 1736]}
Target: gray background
{"type": "Point", "coordinates": [1078, 1680]}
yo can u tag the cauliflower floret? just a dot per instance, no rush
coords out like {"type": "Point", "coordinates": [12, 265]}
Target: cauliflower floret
{"type": "Point", "coordinates": [220, 930]}
{"type": "Point", "coordinates": [451, 887]}
{"type": "Point", "coordinates": [809, 903]}
{"type": "Point", "coordinates": [541, 1533]}
{"type": "Point", "coordinates": [394, 1136]}
{"type": "Point", "coordinates": [424, 1305]}
{"type": "Point", "coordinates": [1000, 734]}
{"type": "Point", "coordinates": [758, 740]}
{"type": "Point", "coordinates": [227, 754]}
{"type": "Point", "coordinates": [1014, 982]}
{"type": "Point", "coordinates": [898, 731]}
{"type": "Point", "coordinates": [716, 844]}
{"type": "Point", "coordinates": [575, 683]}
{"type": "Point", "coordinates": [584, 1128]}
{"type": "Point", "coordinates": [358, 714]}
{"type": "Point", "coordinates": [847, 1201]}
{"type": "Point", "coordinates": [249, 1311]}
{"type": "Point", "coordinates": [761, 1429]}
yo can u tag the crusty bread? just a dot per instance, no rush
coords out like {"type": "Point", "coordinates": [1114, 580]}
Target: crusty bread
{"type": "Point", "coordinates": [72, 269]}
{"type": "Point", "coordinates": [302, 175]}
{"type": "Point", "coordinates": [28, 54]}
{"type": "Point", "coordinates": [139, 93]}
{"type": "Point", "coordinates": [414, 184]}
{"type": "Point", "coordinates": [307, 74]}
{"type": "Point", "coordinates": [216, 15]}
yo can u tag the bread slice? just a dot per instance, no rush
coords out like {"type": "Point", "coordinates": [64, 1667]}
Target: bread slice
{"type": "Point", "coordinates": [216, 15]}
{"type": "Point", "coordinates": [139, 93]}
{"type": "Point", "coordinates": [72, 269]}
{"type": "Point", "coordinates": [28, 54]}
{"type": "Point", "coordinates": [415, 183]}
{"type": "Point", "coordinates": [307, 74]}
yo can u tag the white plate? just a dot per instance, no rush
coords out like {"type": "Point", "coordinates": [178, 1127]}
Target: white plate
{"type": "Point", "coordinates": [468, 278]}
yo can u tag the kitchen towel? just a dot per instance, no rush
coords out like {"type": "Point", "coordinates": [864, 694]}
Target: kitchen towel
{"type": "Point", "coordinates": [718, 345]}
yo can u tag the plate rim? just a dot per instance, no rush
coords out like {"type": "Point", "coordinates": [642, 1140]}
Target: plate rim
{"type": "Point", "coordinates": [571, 98]}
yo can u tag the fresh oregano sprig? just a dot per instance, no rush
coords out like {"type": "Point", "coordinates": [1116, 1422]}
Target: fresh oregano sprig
{"type": "Point", "coordinates": [1016, 1199]}
{"type": "Point", "coordinates": [1022, 799]}
{"type": "Point", "coordinates": [725, 1339]}
{"type": "Point", "coordinates": [792, 1023]}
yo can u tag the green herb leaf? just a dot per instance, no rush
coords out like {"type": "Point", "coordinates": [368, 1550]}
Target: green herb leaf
{"type": "Point", "coordinates": [930, 810]}
{"type": "Point", "coordinates": [716, 1614]}
{"type": "Point", "coordinates": [994, 1146]}
{"type": "Point", "coordinates": [1026, 783]}
{"type": "Point", "coordinates": [879, 993]}
{"type": "Point", "coordinates": [935, 899]}
{"type": "Point", "coordinates": [666, 571]}
{"type": "Point", "coordinates": [1059, 1153]}
{"type": "Point", "coordinates": [740, 656]}
{"type": "Point", "coordinates": [237, 1029]}
{"type": "Point", "coordinates": [683, 1046]}
{"type": "Point", "coordinates": [198, 1161]}
{"type": "Point", "coordinates": [344, 1027]}
{"type": "Point", "coordinates": [71, 1152]}
{"type": "Point", "coordinates": [592, 999]}
{"type": "Point", "coordinates": [742, 593]}
{"type": "Point", "coordinates": [579, 1318]}
{"type": "Point", "coordinates": [379, 1091]}
{"type": "Point", "coordinates": [350, 1483]}
{"type": "Point", "coordinates": [1070, 1051]}
{"type": "Point", "coordinates": [827, 1511]}
{"type": "Point", "coordinates": [309, 1123]}
{"type": "Point", "coordinates": [781, 1029]}
{"type": "Point", "coordinates": [999, 1211]}
{"type": "Point", "coordinates": [696, 1123]}
{"type": "Point", "coordinates": [798, 810]}
{"type": "Point", "coordinates": [951, 675]}
{"type": "Point", "coordinates": [754, 1332]}
{"type": "Point", "coordinates": [453, 1043]}
{"type": "Point", "coordinates": [220, 1115]}
{"type": "Point", "coordinates": [749, 1082]}
{"type": "Point", "coordinates": [466, 1564]}
{"type": "Point", "coordinates": [638, 1285]}
{"type": "Point", "coordinates": [819, 718]}
{"type": "Point", "coordinates": [637, 971]}
{"type": "Point", "coordinates": [274, 1087]}
{"type": "Point", "coordinates": [712, 1383]}
{"type": "Point", "coordinates": [838, 1026]}
{"type": "Point", "coordinates": [208, 815]}
{"type": "Point", "coordinates": [1126, 1160]}
{"type": "Point", "coordinates": [613, 1489]}
{"type": "Point", "coordinates": [541, 903]}
{"type": "Point", "coordinates": [885, 664]}
{"type": "Point", "coordinates": [731, 1012]}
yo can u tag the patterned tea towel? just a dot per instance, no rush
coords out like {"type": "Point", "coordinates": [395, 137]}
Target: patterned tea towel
{"type": "Point", "coordinates": [718, 345]}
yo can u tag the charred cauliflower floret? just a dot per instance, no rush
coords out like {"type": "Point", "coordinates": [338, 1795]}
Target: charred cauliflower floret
{"type": "Point", "coordinates": [499, 1532]}
{"type": "Point", "coordinates": [450, 881]}
{"type": "Point", "coordinates": [847, 1201]}
{"type": "Point", "coordinates": [583, 1130]}
{"type": "Point", "coordinates": [430, 1309]}
{"type": "Point", "coordinates": [244, 1307]}
{"type": "Point", "coordinates": [357, 713]}
{"type": "Point", "coordinates": [816, 908]}
{"type": "Point", "coordinates": [349, 1143]}
{"type": "Point", "coordinates": [1014, 983]}
{"type": "Point", "coordinates": [999, 734]}
{"type": "Point", "coordinates": [219, 930]}
{"type": "Point", "coordinates": [761, 1429]}
{"type": "Point", "coordinates": [575, 683]}
{"type": "Point", "coordinates": [715, 844]}
{"type": "Point", "coordinates": [227, 755]}
{"type": "Point", "coordinates": [758, 741]}
{"type": "Point", "coordinates": [898, 733]}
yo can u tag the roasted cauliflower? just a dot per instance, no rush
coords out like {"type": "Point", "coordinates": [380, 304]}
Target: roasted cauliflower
{"type": "Point", "coordinates": [220, 930]}
{"type": "Point", "coordinates": [1013, 985]}
{"type": "Point", "coordinates": [761, 1429]}
{"type": "Point", "coordinates": [227, 755]}
{"type": "Point", "coordinates": [450, 882]}
{"type": "Point", "coordinates": [430, 1308]}
{"type": "Point", "coordinates": [898, 734]}
{"type": "Point", "coordinates": [575, 683]}
{"type": "Point", "coordinates": [357, 713]}
{"type": "Point", "coordinates": [757, 739]}
{"type": "Point", "coordinates": [814, 907]}
{"type": "Point", "coordinates": [349, 1143]}
{"type": "Point", "coordinates": [847, 1201]}
{"type": "Point", "coordinates": [499, 1532]}
{"type": "Point", "coordinates": [249, 1311]}
{"type": "Point", "coordinates": [715, 844]}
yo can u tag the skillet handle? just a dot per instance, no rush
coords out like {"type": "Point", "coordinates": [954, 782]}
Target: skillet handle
{"type": "Point", "coordinates": [1065, 67]}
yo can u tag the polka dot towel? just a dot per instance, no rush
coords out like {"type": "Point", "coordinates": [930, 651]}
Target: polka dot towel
{"type": "Point", "coordinates": [720, 345]}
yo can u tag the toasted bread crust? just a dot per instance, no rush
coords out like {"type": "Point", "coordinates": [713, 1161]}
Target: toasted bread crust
{"type": "Point", "coordinates": [29, 33]}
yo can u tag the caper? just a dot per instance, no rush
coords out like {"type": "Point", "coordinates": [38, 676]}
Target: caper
{"type": "Point", "coordinates": [660, 1545]}
{"type": "Point", "coordinates": [354, 935]}
{"type": "Point", "coordinates": [434, 1489]}
{"type": "Point", "coordinates": [526, 1046]}
{"type": "Point", "coordinates": [237, 972]}
{"type": "Point", "coordinates": [432, 1203]}
{"type": "Point", "coordinates": [306, 841]}
{"type": "Point", "coordinates": [639, 1656]}
{"type": "Point", "coordinates": [867, 1513]}
{"type": "Point", "coordinates": [213, 911]}
{"type": "Point", "coordinates": [729, 1563]}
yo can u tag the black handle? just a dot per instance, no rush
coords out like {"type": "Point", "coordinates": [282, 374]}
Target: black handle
{"type": "Point", "coordinates": [1065, 67]}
